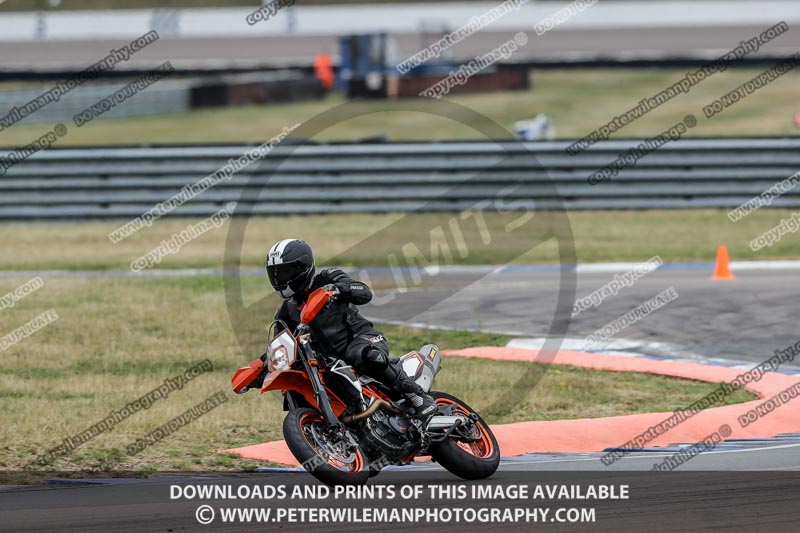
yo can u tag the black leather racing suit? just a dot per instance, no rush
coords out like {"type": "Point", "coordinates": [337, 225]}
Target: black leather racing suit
{"type": "Point", "coordinates": [340, 330]}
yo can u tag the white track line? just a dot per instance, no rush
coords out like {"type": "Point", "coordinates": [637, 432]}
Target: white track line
{"type": "Point", "coordinates": [442, 269]}
{"type": "Point", "coordinates": [765, 265]}
{"type": "Point", "coordinates": [650, 455]}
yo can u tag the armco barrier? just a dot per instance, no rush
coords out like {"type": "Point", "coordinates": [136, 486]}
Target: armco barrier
{"type": "Point", "coordinates": [333, 178]}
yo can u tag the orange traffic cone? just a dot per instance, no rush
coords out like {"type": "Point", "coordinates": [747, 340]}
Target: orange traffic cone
{"type": "Point", "coordinates": [722, 268]}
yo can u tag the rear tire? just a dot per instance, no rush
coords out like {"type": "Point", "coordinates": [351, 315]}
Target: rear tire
{"type": "Point", "coordinates": [302, 430]}
{"type": "Point", "coordinates": [467, 460]}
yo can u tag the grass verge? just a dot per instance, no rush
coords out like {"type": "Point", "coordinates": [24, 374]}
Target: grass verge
{"type": "Point", "coordinates": [577, 101]}
{"type": "Point", "coordinates": [674, 235]}
{"type": "Point", "coordinates": [116, 340]}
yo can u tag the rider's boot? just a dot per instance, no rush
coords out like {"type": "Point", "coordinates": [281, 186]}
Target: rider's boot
{"type": "Point", "coordinates": [424, 404]}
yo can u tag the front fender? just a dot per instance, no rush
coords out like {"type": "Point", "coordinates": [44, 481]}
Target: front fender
{"type": "Point", "coordinates": [298, 381]}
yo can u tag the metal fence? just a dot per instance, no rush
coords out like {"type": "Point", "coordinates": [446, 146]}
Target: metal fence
{"type": "Point", "coordinates": [126, 182]}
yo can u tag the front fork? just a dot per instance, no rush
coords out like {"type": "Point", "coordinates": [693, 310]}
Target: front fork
{"type": "Point", "coordinates": [323, 402]}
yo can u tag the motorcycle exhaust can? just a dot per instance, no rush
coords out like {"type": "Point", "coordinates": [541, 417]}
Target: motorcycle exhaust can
{"type": "Point", "coordinates": [437, 423]}
{"type": "Point", "coordinates": [422, 366]}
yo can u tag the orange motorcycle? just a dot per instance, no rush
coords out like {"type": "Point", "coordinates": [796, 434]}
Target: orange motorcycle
{"type": "Point", "coordinates": [344, 428]}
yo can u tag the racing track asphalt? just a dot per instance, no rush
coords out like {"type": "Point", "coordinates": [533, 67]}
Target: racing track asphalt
{"type": "Point", "coordinates": [743, 320]}
{"type": "Point", "coordinates": [746, 319]}
{"type": "Point", "coordinates": [718, 501]}
{"type": "Point", "coordinates": [745, 486]}
{"type": "Point", "coordinates": [558, 45]}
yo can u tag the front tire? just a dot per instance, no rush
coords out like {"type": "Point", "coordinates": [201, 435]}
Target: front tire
{"type": "Point", "coordinates": [326, 460]}
{"type": "Point", "coordinates": [467, 460]}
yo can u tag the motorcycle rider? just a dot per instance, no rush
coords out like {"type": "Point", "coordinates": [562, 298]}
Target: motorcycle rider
{"type": "Point", "coordinates": [339, 329]}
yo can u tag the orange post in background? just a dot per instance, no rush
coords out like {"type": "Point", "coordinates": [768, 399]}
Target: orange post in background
{"type": "Point", "coordinates": [323, 70]}
{"type": "Point", "coordinates": [722, 268]}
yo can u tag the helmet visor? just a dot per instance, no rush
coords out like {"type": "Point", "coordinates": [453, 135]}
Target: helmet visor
{"type": "Point", "coordinates": [281, 275]}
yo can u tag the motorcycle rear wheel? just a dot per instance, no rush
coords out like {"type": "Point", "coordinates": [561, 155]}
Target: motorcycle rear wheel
{"type": "Point", "coordinates": [468, 460]}
{"type": "Point", "coordinates": [326, 460]}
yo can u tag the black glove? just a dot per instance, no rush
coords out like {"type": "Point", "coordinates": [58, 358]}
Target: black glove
{"type": "Point", "coordinates": [337, 290]}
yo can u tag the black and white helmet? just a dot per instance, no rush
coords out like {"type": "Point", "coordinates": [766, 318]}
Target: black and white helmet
{"type": "Point", "coordinates": [290, 266]}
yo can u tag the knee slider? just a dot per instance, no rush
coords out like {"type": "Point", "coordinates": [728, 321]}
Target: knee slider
{"type": "Point", "coordinates": [375, 359]}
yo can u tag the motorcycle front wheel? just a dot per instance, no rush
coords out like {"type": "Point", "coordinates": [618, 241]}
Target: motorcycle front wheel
{"type": "Point", "coordinates": [326, 458]}
{"type": "Point", "coordinates": [476, 458]}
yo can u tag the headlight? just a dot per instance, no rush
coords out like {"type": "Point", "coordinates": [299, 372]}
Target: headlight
{"type": "Point", "coordinates": [281, 352]}
{"type": "Point", "coordinates": [278, 359]}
